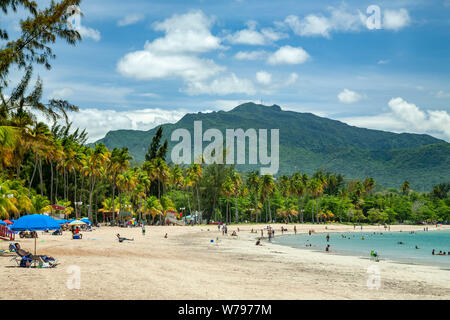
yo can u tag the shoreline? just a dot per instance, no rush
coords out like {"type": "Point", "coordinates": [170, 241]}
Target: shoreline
{"type": "Point", "coordinates": [187, 265]}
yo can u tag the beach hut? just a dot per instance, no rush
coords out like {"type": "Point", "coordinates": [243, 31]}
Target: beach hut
{"type": "Point", "coordinates": [35, 222]}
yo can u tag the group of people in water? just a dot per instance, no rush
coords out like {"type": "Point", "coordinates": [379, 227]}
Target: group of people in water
{"type": "Point", "coordinates": [441, 253]}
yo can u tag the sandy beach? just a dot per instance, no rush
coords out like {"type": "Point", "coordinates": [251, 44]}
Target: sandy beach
{"type": "Point", "coordinates": [187, 265]}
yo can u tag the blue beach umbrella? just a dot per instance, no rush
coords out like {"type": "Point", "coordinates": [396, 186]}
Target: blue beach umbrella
{"type": "Point", "coordinates": [2, 223]}
{"type": "Point", "coordinates": [35, 222]}
{"type": "Point", "coordinates": [86, 221]}
{"type": "Point", "coordinates": [62, 221]}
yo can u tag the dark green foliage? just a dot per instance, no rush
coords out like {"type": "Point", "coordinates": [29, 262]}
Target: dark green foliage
{"type": "Point", "coordinates": [309, 142]}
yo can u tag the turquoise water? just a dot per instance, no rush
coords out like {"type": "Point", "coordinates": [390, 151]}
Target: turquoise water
{"type": "Point", "coordinates": [384, 243]}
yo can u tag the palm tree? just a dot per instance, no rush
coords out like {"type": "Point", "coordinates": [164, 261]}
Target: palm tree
{"type": "Point", "coordinates": [119, 161]}
{"type": "Point", "coordinates": [227, 191]}
{"type": "Point", "coordinates": [236, 180]}
{"type": "Point", "coordinates": [40, 139]}
{"type": "Point", "coordinates": [298, 187]}
{"type": "Point", "coordinates": [267, 189]}
{"type": "Point", "coordinates": [253, 184]}
{"type": "Point", "coordinates": [405, 187]}
{"type": "Point", "coordinates": [195, 172]}
{"type": "Point", "coordinates": [153, 207]}
{"type": "Point", "coordinates": [95, 167]}
{"type": "Point", "coordinates": [176, 177]}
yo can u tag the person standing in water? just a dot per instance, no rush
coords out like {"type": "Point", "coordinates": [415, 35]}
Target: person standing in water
{"type": "Point", "coordinates": [328, 237]}
{"type": "Point", "coordinates": [295, 229]}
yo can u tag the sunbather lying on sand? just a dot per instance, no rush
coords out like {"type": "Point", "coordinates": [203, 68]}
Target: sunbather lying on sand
{"type": "Point", "coordinates": [123, 239]}
{"type": "Point", "coordinates": [24, 253]}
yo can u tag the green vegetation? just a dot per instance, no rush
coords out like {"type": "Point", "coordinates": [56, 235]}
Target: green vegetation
{"type": "Point", "coordinates": [42, 165]}
{"type": "Point", "coordinates": [309, 143]}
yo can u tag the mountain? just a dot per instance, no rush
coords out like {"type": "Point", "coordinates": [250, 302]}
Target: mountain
{"type": "Point", "coordinates": [309, 142]}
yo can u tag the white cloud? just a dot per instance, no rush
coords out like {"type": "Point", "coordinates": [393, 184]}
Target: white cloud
{"type": "Point", "coordinates": [396, 19]}
{"type": "Point", "coordinates": [383, 61]}
{"type": "Point", "coordinates": [442, 94]}
{"type": "Point", "coordinates": [320, 25]}
{"type": "Point", "coordinates": [185, 33]}
{"type": "Point", "coordinates": [61, 94]}
{"type": "Point", "coordinates": [407, 117]}
{"type": "Point", "coordinates": [263, 77]}
{"type": "Point", "coordinates": [293, 77]}
{"type": "Point", "coordinates": [146, 65]}
{"type": "Point", "coordinates": [311, 25]}
{"type": "Point", "coordinates": [98, 122]}
{"type": "Point", "coordinates": [130, 19]}
{"type": "Point", "coordinates": [87, 32]}
{"type": "Point", "coordinates": [175, 54]}
{"type": "Point", "coordinates": [251, 55]}
{"type": "Point", "coordinates": [288, 55]}
{"type": "Point", "coordinates": [341, 20]}
{"type": "Point", "coordinates": [251, 36]}
{"type": "Point", "coordinates": [348, 96]}
{"type": "Point", "coordinates": [221, 86]}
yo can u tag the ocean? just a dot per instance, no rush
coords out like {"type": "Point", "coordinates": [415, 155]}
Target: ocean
{"type": "Point", "coordinates": [386, 244]}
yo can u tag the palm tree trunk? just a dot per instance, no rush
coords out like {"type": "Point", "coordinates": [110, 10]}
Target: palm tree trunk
{"type": "Point", "coordinates": [56, 184]}
{"type": "Point", "coordinates": [51, 182]}
{"type": "Point", "coordinates": [75, 194]}
{"type": "Point", "coordinates": [91, 192]}
{"type": "Point", "coordinates": [270, 212]}
{"type": "Point", "coordinates": [34, 171]}
{"type": "Point", "coordinates": [236, 209]}
{"type": "Point", "coordinates": [41, 178]}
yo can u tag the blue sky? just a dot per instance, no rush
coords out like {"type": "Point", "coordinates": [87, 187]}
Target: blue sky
{"type": "Point", "coordinates": [142, 63]}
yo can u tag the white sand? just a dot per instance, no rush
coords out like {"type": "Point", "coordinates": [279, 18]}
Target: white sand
{"type": "Point", "coordinates": [187, 266]}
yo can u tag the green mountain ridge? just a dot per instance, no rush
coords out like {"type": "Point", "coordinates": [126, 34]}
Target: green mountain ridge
{"type": "Point", "coordinates": [309, 142]}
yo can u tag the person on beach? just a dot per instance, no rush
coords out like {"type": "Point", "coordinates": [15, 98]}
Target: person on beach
{"type": "Point", "coordinates": [328, 237]}
{"type": "Point", "coordinates": [143, 230]}
{"type": "Point", "coordinates": [327, 248]}
{"type": "Point", "coordinates": [295, 229]}
{"type": "Point", "coordinates": [166, 236]}
{"type": "Point", "coordinates": [24, 253]}
{"type": "Point", "coordinates": [234, 234]}
{"type": "Point", "coordinates": [269, 233]}
{"type": "Point", "coordinates": [258, 242]}
{"type": "Point", "coordinates": [432, 252]}
{"type": "Point", "coordinates": [123, 239]}
{"type": "Point", "coordinates": [262, 233]}
{"type": "Point", "coordinates": [218, 227]}
{"type": "Point", "coordinates": [309, 232]}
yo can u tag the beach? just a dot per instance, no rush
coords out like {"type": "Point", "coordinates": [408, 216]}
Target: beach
{"type": "Point", "coordinates": [187, 265]}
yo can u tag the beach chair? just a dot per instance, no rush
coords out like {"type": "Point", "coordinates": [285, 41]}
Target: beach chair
{"type": "Point", "coordinates": [28, 260]}
{"type": "Point", "coordinates": [77, 236]}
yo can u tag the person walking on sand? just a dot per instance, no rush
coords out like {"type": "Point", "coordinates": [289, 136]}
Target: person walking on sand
{"type": "Point", "coordinates": [143, 229]}
{"type": "Point", "coordinates": [295, 229]}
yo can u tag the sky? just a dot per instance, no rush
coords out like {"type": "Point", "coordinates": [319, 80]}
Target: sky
{"type": "Point", "coordinates": [145, 62]}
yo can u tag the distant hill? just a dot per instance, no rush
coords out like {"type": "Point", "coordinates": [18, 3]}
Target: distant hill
{"type": "Point", "coordinates": [309, 142]}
